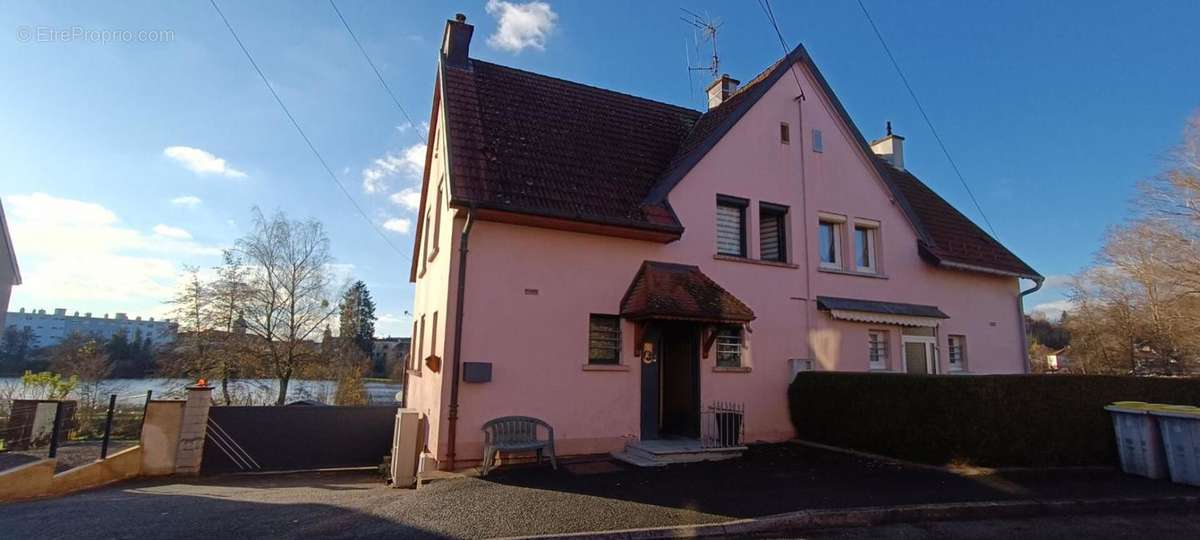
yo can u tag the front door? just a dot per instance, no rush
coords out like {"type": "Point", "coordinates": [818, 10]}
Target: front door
{"type": "Point", "coordinates": [919, 356]}
{"type": "Point", "coordinates": [671, 382]}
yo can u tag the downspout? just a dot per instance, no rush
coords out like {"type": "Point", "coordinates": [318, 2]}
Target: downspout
{"type": "Point", "coordinates": [808, 292]}
{"type": "Point", "coordinates": [1037, 284]}
{"type": "Point", "coordinates": [464, 238]}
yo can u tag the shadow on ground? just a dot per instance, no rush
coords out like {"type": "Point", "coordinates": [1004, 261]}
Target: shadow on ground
{"type": "Point", "coordinates": [779, 478]}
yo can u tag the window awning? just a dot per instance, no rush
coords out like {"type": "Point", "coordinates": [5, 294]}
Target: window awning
{"type": "Point", "coordinates": [873, 311]}
{"type": "Point", "coordinates": [681, 292]}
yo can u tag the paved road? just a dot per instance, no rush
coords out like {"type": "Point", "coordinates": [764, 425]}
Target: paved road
{"type": "Point", "coordinates": [1131, 527]}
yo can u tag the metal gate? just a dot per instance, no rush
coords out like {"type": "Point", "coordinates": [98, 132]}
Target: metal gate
{"type": "Point", "coordinates": [251, 439]}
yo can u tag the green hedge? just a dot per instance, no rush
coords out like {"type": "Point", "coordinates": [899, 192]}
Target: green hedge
{"type": "Point", "coordinates": [993, 420]}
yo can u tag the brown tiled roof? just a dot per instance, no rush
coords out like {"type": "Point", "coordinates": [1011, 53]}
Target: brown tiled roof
{"type": "Point", "coordinates": [951, 237]}
{"type": "Point", "coordinates": [678, 291]}
{"type": "Point", "coordinates": [531, 144]}
{"type": "Point", "coordinates": [534, 144]}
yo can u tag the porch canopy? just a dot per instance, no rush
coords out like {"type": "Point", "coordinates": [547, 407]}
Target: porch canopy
{"type": "Point", "coordinates": [681, 292]}
{"type": "Point", "coordinates": [873, 311]}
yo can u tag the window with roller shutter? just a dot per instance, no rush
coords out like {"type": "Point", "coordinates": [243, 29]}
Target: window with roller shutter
{"type": "Point", "coordinates": [772, 232]}
{"type": "Point", "coordinates": [731, 226]}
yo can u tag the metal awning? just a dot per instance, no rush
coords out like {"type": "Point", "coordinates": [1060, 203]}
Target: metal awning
{"type": "Point", "coordinates": [873, 311]}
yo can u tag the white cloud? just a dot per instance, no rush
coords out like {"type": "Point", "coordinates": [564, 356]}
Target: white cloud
{"type": "Point", "coordinates": [398, 225]}
{"type": "Point", "coordinates": [79, 255]}
{"type": "Point", "coordinates": [521, 26]}
{"type": "Point", "coordinates": [201, 162]}
{"type": "Point", "coordinates": [1055, 309]}
{"type": "Point", "coordinates": [409, 162]}
{"type": "Point", "coordinates": [167, 231]}
{"type": "Point", "coordinates": [189, 201]}
{"type": "Point", "coordinates": [409, 198]}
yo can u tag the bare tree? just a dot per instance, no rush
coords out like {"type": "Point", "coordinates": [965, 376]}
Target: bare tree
{"type": "Point", "coordinates": [1138, 305]}
{"type": "Point", "coordinates": [229, 294]}
{"type": "Point", "coordinates": [193, 354]}
{"type": "Point", "coordinates": [288, 297]}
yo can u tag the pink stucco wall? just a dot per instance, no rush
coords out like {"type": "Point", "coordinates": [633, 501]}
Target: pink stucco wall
{"type": "Point", "coordinates": [538, 343]}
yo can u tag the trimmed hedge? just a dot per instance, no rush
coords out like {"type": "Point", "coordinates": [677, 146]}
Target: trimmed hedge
{"type": "Point", "coordinates": [990, 420]}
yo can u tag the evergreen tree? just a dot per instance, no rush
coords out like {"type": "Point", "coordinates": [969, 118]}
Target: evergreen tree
{"type": "Point", "coordinates": [357, 321]}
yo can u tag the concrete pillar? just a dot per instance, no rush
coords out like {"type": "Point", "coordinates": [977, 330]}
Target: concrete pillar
{"type": "Point", "coordinates": [192, 429]}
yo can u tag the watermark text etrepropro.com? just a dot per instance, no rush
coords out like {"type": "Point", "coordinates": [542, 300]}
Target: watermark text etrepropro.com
{"type": "Point", "coordinates": [69, 34]}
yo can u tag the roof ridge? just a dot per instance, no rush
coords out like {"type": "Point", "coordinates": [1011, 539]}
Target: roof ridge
{"type": "Point", "coordinates": [589, 86]}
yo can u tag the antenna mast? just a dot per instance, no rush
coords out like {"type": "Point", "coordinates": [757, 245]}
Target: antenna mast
{"type": "Point", "coordinates": [708, 28]}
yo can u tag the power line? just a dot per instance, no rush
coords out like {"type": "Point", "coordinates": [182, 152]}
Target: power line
{"type": "Point", "coordinates": [378, 75]}
{"type": "Point", "coordinates": [299, 130]}
{"type": "Point", "coordinates": [766, 7]}
{"type": "Point", "coordinates": [928, 122]}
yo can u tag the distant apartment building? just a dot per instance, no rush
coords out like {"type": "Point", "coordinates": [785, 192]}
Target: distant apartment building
{"type": "Point", "coordinates": [49, 329]}
{"type": "Point", "coordinates": [385, 349]}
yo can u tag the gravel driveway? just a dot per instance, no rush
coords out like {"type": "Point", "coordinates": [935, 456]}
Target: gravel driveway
{"type": "Point", "coordinates": [531, 500]}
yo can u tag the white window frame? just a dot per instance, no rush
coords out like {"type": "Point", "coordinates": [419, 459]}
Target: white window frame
{"type": "Point", "coordinates": [931, 356]}
{"type": "Point", "coordinates": [879, 363]}
{"type": "Point", "coordinates": [837, 223]}
{"type": "Point", "coordinates": [616, 340]}
{"type": "Point", "coordinates": [729, 342]}
{"type": "Point", "coordinates": [961, 363]}
{"type": "Point", "coordinates": [872, 230]}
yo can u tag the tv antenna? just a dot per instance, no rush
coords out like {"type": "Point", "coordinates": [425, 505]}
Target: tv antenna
{"type": "Point", "coordinates": [708, 29]}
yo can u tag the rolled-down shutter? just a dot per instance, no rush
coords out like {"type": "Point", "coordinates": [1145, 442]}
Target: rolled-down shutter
{"type": "Point", "coordinates": [730, 232]}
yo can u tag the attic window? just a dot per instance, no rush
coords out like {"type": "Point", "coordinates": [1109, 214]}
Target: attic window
{"type": "Point", "coordinates": [818, 145]}
{"type": "Point", "coordinates": [785, 133]}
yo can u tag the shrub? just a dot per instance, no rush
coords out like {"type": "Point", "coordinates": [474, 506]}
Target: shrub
{"type": "Point", "coordinates": [991, 420]}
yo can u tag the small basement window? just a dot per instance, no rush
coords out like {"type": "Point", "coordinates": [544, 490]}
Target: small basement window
{"type": "Point", "coordinates": [604, 339]}
{"type": "Point", "coordinates": [729, 346]}
{"type": "Point", "coordinates": [731, 226]}
{"type": "Point", "coordinates": [877, 349]}
{"type": "Point", "coordinates": [958, 353]}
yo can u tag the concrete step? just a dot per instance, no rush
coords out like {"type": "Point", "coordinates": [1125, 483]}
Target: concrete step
{"type": "Point", "coordinates": [666, 452]}
{"type": "Point", "coordinates": [637, 460]}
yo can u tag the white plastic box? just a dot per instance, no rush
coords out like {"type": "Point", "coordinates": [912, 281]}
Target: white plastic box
{"type": "Point", "coordinates": [1180, 428]}
{"type": "Point", "coordinates": [1139, 443]}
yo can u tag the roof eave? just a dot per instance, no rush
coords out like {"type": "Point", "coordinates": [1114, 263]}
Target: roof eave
{"type": "Point", "coordinates": [937, 260]}
{"type": "Point", "coordinates": [12, 251]}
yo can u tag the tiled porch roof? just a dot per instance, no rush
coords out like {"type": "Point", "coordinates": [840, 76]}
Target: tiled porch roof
{"type": "Point", "coordinates": [677, 291]}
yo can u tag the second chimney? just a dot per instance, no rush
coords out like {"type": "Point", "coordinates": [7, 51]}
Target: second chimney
{"type": "Point", "coordinates": [890, 148]}
{"type": "Point", "coordinates": [720, 90]}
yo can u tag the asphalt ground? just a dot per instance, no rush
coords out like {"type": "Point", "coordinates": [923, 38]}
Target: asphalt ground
{"type": "Point", "coordinates": [587, 496]}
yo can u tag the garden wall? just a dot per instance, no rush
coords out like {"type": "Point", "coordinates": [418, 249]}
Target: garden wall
{"type": "Point", "coordinates": [993, 420]}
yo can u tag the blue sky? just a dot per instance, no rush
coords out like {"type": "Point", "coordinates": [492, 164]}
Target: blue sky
{"type": "Point", "coordinates": [112, 149]}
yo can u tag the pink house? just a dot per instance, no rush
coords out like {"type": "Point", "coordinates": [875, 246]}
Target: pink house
{"type": "Point", "coordinates": [615, 265]}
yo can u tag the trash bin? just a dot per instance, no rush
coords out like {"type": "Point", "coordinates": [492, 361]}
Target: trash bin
{"type": "Point", "coordinates": [1138, 441]}
{"type": "Point", "coordinates": [1180, 429]}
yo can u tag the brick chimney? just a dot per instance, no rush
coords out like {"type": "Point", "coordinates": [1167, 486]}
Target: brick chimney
{"type": "Point", "coordinates": [720, 90]}
{"type": "Point", "coordinates": [456, 43]}
{"type": "Point", "coordinates": [890, 148]}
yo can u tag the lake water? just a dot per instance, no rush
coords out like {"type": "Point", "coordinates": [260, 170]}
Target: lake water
{"type": "Point", "coordinates": [244, 391]}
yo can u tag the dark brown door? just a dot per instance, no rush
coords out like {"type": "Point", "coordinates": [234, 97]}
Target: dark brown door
{"type": "Point", "coordinates": [680, 380]}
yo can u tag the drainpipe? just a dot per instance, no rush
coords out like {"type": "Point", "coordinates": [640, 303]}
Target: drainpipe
{"type": "Point", "coordinates": [464, 238]}
{"type": "Point", "coordinates": [808, 292]}
{"type": "Point", "coordinates": [1037, 284]}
